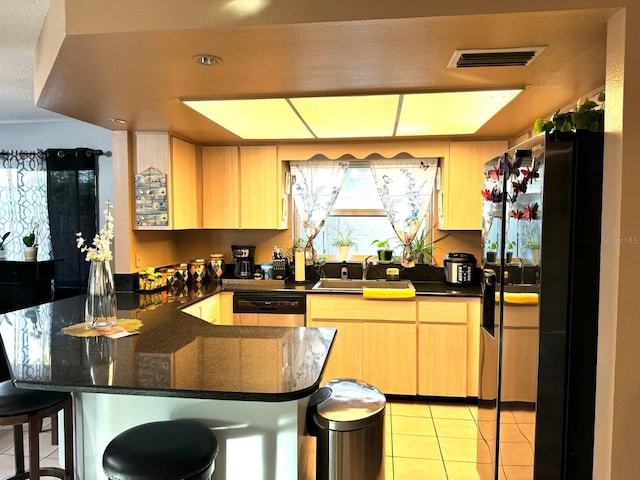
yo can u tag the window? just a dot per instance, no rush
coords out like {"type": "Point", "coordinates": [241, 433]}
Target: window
{"type": "Point", "coordinates": [358, 205]}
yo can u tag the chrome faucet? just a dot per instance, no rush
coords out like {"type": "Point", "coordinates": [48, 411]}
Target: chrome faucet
{"type": "Point", "coordinates": [365, 267]}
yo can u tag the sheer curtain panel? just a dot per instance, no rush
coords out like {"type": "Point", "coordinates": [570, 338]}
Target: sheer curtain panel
{"type": "Point", "coordinates": [23, 201]}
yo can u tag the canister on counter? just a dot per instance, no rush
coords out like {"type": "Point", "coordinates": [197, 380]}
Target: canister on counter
{"type": "Point", "coordinates": [197, 270]}
{"type": "Point", "coordinates": [215, 266]}
{"type": "Point", "coordinates": [181, 275]}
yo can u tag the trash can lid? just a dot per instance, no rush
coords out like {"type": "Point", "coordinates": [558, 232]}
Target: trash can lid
{"type": "Point", "coordinates": [352, 405]}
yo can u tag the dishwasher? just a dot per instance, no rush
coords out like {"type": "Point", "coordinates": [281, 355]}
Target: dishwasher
{"type": "Point", "coordinates": [273, 309]}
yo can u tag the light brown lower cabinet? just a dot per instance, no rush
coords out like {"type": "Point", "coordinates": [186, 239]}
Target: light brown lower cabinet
{"type": "Point", "coordinates": [448, 335]}
{"type": "Point", "coordinates": [389, 356]}
{"type": "Point", "coordinates": [345, 359]}
{"type": "Point", "coordinates": [376, 340]}
{"type": "Point", "coordinates": [216, 309]}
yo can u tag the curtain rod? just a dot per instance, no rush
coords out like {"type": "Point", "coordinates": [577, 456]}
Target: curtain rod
{"type": "Point", "coordinates": [20, 152]}
{"type": "Point", "coordinates": [26, 152]}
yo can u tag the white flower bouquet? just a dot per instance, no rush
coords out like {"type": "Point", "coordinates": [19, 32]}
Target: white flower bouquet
{"type": "Point", "coordinates": [101, 249]}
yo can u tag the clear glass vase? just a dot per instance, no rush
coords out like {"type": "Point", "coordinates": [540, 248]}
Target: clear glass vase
{"type": "Point", "coordinates": [100, 306]}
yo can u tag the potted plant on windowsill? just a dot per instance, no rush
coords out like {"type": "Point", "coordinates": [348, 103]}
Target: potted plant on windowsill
{"type": "Point", "coordinates": [509, 252]}
{"type": "Point", "coordinates": [385, 253]}
{"type": "Point", "coordinates": [344, 241]}
{"type": "Point", "coordinates": [532, 243]}
{"type": "Point", "coordinates": [3, 242]}
{"type": "Point", "coordinates": [30, 248]}
{"type": "Point", "coordinates": [422, 248]}
{"type": "Point", "coordinates": [492, 248]}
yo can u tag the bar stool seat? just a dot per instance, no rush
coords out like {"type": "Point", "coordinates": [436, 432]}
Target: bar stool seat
{"type": "Point", "coordinates": [21, 405]}
{"type": "Point", "coordinates": [166, 450]}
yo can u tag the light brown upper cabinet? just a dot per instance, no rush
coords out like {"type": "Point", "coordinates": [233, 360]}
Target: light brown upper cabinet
{"type": "Point", "coordinates": [220, 187]}
{"type": "Point", "coordinates": [459, 199]}
{"type": "Point", "coordinates": [166, 184]}
{"type": "Point", "coordinates": [243, 188]}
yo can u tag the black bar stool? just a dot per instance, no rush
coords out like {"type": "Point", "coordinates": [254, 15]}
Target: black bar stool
{"type": "Point", "coordinates": [20, 405]}
{"type": "Point", "coordinates": [166, 450]}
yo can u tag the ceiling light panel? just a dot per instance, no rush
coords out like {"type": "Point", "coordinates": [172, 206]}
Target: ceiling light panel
{"type": "Point", "coordinates": [256, 119]}
{"type": "Point", "coordinates": [450, 113]}
{"type": "Point", "coordinates": [349, 116]}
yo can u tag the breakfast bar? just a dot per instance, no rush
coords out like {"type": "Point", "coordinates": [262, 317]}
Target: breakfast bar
{"type": "Point", "coordinates": [250, 385]}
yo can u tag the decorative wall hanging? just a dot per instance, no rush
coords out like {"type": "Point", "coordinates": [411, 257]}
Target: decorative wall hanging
{"type": "Point", "coordinates": [151, 198]}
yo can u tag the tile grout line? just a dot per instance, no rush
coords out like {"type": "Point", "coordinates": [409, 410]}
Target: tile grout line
{"type": "Point", "coordinates": [433, 421]}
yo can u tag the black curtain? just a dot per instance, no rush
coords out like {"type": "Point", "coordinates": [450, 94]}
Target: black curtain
{"type": "Point", "coordinates": [71, 195]}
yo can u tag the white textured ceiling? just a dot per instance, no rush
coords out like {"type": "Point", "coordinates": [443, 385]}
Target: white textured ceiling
{"type": "Point", "coordinates": [20, 24]}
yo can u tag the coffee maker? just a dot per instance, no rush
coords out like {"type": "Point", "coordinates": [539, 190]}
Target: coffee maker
{"type": "Point", "coordinates": [243, 258]}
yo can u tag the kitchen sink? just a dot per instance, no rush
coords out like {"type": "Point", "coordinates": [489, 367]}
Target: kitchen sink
{"type": "Point", "coordinates": [354, 285]}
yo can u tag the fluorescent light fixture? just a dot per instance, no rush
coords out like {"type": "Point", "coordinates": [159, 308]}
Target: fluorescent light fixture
{"type": "Point", "coordinates": [259, 119]}
{"type": "Point", "coordinates": [341, 117]}
{"type": "Point", "coordinates": [450, 113]}
{"type": "Point", "coordinates": [364, 116]}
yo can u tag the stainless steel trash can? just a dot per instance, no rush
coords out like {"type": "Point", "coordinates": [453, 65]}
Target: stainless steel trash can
{"type": "Point", "coordinates": [347, 416]}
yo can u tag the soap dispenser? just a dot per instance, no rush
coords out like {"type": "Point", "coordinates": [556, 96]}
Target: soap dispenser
{"type": "Point", "coordinates": [344, 271]}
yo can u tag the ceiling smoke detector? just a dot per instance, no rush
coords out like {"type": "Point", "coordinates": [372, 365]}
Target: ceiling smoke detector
{"type": "Point", "coordinates": [494, 57]}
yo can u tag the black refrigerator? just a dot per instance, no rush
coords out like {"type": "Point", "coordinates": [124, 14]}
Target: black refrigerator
{"type": "Point", "coordinates": [542, 206]}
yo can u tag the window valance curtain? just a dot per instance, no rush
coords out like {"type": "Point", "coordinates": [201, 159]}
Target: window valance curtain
{"type": "Point", "coordinates": [315, 185]}
{"type": "Point", "coordinates": [405, 188]}
{"type": "Point", "coordinates": [23, 201]}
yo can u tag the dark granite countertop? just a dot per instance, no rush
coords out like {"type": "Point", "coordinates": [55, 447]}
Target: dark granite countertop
{"type": "Point", "coordinates": [423, 288]}
{"type": "Point", "coordinates": [427, 280]}
{"type": "Point", "coordinates": [174, 355]}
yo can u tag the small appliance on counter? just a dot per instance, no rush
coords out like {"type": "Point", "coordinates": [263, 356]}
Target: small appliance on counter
{"type": "Point", "coordinates": [459, 268]}
{"type": "Point", "coordinates": [243, 258]}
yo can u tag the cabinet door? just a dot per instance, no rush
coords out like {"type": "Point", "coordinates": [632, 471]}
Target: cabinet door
{"type": "Point", "coordinates": [176, 159]}
{"type": "Point", "coordinates": [185, 213]}
{"type": "Point", "coordinates": [260, 188]}
{"type": "Point", "coordinates": [442, 347]}
{"type": "Point", "coordinates": [460, 202]}
{"type": "Point", "coordinates": [345, 358]}
{"type": "Point", "coordinates": [473, 346]}
{"type": "Point", "coordinates": [226, 308]}
{"type": "Point", "coordinates": [152, 152]}
{"type": "Point", "coordinates": [389, 356]}
{"type": "Point", "coordinates": [207, 309]}
{"type": "Point", "coordinates": [210, 310]}
{"type": "Point", "coordinates": [220, 187]}
{"type": "Point", "coordinates": [442, 360]}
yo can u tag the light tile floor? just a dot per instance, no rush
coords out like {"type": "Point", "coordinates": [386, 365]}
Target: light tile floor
{"type": "Point", "coordinates": [48, 452]}
{"type": "Point", "coordinates": [430, 441]}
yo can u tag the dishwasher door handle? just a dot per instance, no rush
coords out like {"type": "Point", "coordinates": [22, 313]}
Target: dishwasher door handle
{"type": "Point", "coordinates": [255, 304]}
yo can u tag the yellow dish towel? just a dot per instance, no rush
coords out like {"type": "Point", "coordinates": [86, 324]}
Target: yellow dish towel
{"type": "Point", "coordinates": [388, 293]}
{"type": "Point", "coordinates": [518, 298]}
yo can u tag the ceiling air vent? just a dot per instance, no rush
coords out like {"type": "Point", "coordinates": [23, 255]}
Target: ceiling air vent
{"type": "Point", "coordinates": [502, 57]}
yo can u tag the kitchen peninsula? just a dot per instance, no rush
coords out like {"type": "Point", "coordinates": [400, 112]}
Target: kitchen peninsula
{"type": "Point", "coordinates": [249, 384]}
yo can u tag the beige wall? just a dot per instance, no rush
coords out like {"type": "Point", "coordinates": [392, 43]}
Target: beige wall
{"type": "Point", "coordinates": [618, 390]}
